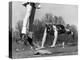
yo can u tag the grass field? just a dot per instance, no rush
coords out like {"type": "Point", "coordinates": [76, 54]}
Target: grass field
{"type": "Point", "coordinates": [28, 53]}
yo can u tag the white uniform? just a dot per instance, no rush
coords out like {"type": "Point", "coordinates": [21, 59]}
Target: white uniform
{"type": "Point", "coordinates": [44, 38]}
{"type": "Point", "coordinates": [55, 36]}
{"type": "Point", "coordinates": [25, 26]}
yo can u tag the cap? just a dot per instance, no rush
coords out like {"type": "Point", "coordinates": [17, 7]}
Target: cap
{"type": "Point", "coordinates": [25, 4]}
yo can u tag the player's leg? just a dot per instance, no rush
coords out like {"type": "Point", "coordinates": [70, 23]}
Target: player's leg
{"type": "Point", "coordinates": [43, 39]}
{"type": "Point", "coordinates": [55, 37]}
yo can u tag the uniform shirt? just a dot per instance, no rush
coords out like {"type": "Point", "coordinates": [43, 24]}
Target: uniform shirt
{"type": "Point", "coordinates": [53, 28]}
{"type": "Point", "coordinates": [26, 19]}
